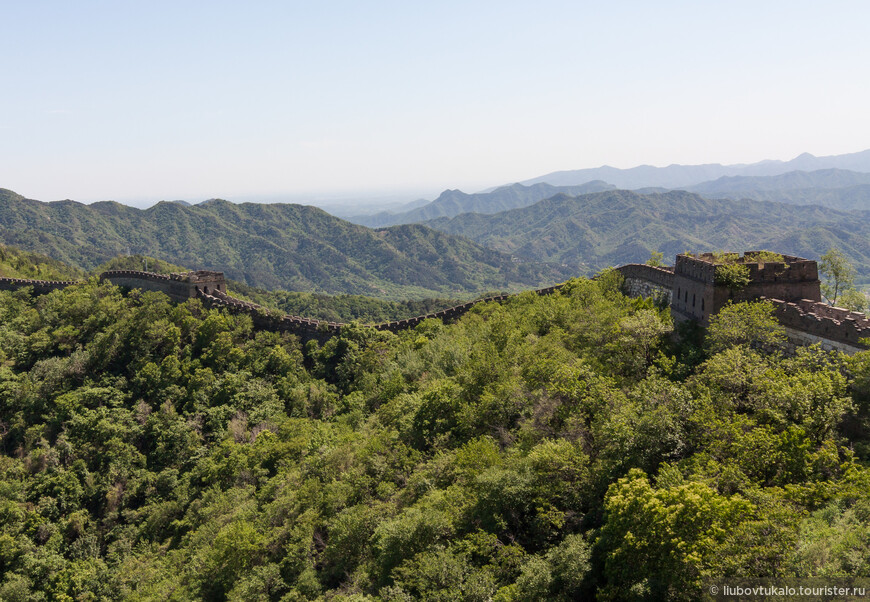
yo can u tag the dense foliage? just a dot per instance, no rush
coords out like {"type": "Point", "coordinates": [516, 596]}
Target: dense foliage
{"type": "Point", "coordinates": [276, 246]}
{"type": "Point", "coordinates": [15, 263]}
{"type": "Point", "coordinates": [545, 448]}
{"type": "Point", "coordinates": [341, 308]}
{"type": "Point", "coordinates": [838, 281]}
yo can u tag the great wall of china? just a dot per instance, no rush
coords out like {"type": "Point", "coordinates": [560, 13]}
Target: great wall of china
{"type": "Point", "coordinates": [690, 287]}
{"type": "Point", "coordinates": [210, 289]}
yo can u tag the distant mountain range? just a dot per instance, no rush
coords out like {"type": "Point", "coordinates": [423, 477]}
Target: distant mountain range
{"type": "Point", "coordinates": [517, 236]}
{"type": "Point", "coordinates": [292, 247]}
{"type": "Point", "coordinates": [454, 202]}
{"type": "Point", "coordinates": [837, 188]}
{"type": "Point", "coordinates": [834, 181]}
{"type": "Point", "coordinates": [615, 227]}
{"type": "Point", "coordinates": [681, 176]}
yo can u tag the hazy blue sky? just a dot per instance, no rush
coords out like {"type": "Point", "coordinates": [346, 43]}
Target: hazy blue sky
{"type": "Point", "coordinates": [190, 100]}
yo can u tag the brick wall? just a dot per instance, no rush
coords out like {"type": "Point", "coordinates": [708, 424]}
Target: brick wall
{"type": "Point", "coordinates": [179, 287]}
{"type": "Point", "coordinates": [307, 329]}
{"type": "Point", "coordinates": [40, 287]}
{"type": "Point", "coordinates": [834, 327]}
{"type": "Point", "coordinates": [641, 280]}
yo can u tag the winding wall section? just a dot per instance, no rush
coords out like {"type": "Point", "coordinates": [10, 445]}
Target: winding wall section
{"type": "Point", "coordinates": [806, 321]}
{"type": "Point", "coordinates": [320, 330]}
{"type": "Point", "coordinates": [40, 287]}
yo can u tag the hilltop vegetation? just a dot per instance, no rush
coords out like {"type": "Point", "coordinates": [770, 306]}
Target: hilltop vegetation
{"type": "Point", "coordinates": [553, 448]}
{"type": "Point", "coordinates": [290, 247]}
{"type": "Point", "coordinates": [15, 263]}
{"type": "Point", "coordinates": [140, 263]}
{"type": "Point", "coordinates": [341, 308]}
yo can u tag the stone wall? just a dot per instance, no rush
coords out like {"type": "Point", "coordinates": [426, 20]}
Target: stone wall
{"type": "Point", "coordinates": [697, 295]}
{"type": "Point", "coordinates": [798, 338]}
{"type": "Point", "coordinates": [179, 287]}
{"type": "Point", "coordinates": [305, 328]}
{"type": "Point", "coordinates": [643, 280]}
{"type": "Point", "coordinates": [811, 322]}
{"type": "Point", "coordinates": [40, 287]}
{"type": "Point", "coordinates": [321, 330]}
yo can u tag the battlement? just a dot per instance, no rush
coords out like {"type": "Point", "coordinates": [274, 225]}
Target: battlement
{"type": "Point", "coordinates": [320, 330]}
{"type": "Point", "coordinates": [703, 266]}
{"type": "Point", "coordinates": [179, 287]}
{"type": "Point", "coordinates": [642, 280]}
{"type": "Point", "coordinates": [698, 293]}
{"type": "Point", "coordinates": [40, 287]}
{"type": "Point", "coordinates": [808, 321]}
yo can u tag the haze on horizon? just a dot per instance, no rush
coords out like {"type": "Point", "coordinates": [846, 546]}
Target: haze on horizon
{"type": "Point", "coordinates": [342, 100]}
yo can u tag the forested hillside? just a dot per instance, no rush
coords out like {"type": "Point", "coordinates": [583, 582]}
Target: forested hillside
{"type": "Point", "coordinates": [547, 448]}
{"type": "Point", "coordinates": [291, 247]}
{"type": "Point", "coordinates": [15, 263]}
{"type": "Point", "coordinates": [616, 227]}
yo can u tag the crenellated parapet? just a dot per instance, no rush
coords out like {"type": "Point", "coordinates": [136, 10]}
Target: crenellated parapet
{"type": "Point", "coordinates": [642, 280]}
{"type": "Point", "coordinates": [40, 287]}
{"type": "Point", "coordinates": [698, 292]}
{"type": "Point", "coordinates": [808, 322]}
{"type": "Point", "coordinates": [321, 330]}
{"type": "Point", "coordinates": [179, 287]}
{"type": "Point", "coordinates": [792, 284]}
{"type": "Point", "coordinates": [306, 329]}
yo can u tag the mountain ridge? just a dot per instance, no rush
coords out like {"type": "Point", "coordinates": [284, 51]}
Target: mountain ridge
{"type": "Point", "coordinates": [610, 228]}
{"type": "Point", "coordinates": [679, 176]}
{"type": "Point", "coordinates": [293, 247]}
{"type": "Point", "coordinates": [453, 202]}
{"type": "Point", "coordinates": [837, 188]}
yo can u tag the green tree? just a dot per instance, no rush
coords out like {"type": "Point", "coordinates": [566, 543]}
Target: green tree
{"type": "Point", "coordinates": [838, 273]}
{"type": "Point", "coordinates": [662, 543]}
{"type": "Point", "coordinates": [744, 324]}
{"type": "Point", "coordinates": [733, 275]}
{"type": "Point", "coordinates": [853, 299]}
{"type": "Point", "coordinates": [656, 259]}
{"type": "Point", "coordinates": [639, 335]}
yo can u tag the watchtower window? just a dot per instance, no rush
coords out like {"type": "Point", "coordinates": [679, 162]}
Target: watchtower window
{"type": "Point", "coordinates": [702, 304]}
{"type": "Point", "coordinates": [686, 297]}
{"type": "Point", "coordinates": [693, 300]}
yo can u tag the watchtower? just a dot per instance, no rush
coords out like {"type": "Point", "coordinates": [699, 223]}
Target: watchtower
{"type": "Point", "coordinates": [202, 280]}
{"type": "Point", "coordinates": [179, 287]}
{"type": "Point", "coordinates": [701, 286]}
